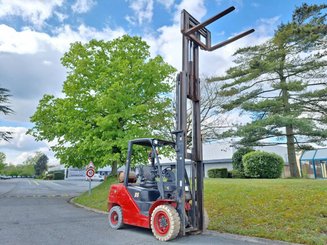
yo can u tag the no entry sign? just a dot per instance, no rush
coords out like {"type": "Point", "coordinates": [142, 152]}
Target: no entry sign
{"type": "Point", "coordinates": [90, 172]}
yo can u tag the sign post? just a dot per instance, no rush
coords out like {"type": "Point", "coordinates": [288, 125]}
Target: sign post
{"type": "Point", "coordinates": [90, 173]}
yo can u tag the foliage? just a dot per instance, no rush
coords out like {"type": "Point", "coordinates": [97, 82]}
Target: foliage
{"type": "Point", "coordinates": [48, 176]}
{"type": "Point", "coordinates": [2, 157]}
{"type": "Point", "coordinates": [114, 92]}
{"type": "Point", "coordinates": [212, 117]}
{"type": "Point", "coordinates": [260, 164]}
{"type": "Point", "coordinates": [2, 160]}
{"type": "Point", "coordinates": [5, 109]}
{"type": "Point", "coordinates": [282, 84]}
{"type": "Point", "coordinates": [218, 173]}
{"type": "Point", "coordinates": [58, 175]}
{"type": "Point", "coordinates": [55, 175]}
{"type": "Point", "coordinates": [18, 170]}
{"type": "Point", "coordinates": [236, 174]}
{"type": "Point", "coordinates": [237, 158]}
{"type": "Point", "coordinates": [40, 163]}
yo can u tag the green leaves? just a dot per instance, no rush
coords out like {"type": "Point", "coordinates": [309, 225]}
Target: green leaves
{"type": "Point", "coordinates": [282, 83]}
{"type": "Point", "coordinates": [113, 93]}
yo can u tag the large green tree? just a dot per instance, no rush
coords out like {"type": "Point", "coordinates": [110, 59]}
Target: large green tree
{"type": "Point", "coordinates": [282, 82]}
{"type": "Point", "coordinates": [114, 92]}
{"type": "Point", "coordinates": [5, 109]}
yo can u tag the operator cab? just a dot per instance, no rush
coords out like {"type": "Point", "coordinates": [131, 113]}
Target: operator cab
{"type": "Point", "coordinates": [152, 180]}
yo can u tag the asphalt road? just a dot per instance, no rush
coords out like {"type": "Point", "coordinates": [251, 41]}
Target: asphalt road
{"type": "Point", "coordinates": [38, 212]}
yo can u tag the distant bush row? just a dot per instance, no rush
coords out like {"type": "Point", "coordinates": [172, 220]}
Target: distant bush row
{"type": "Point", "coordinates": [248, 163]}
{"type": "Point", "coordinates": [55, 175]}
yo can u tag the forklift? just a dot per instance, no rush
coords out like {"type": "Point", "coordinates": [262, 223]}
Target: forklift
{"type": "Point", "coordinates": [163, 197]}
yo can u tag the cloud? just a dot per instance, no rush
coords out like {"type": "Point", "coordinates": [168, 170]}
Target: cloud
{"type": "Point", "coordinates": [20, 141]}
{"type": "Point", "coordinates": [196, 8]}
{"type": "Point", "coordinates": [23, 146]}
{"type": "Point", "coordinates": [143, 11]}
{"type": "Point", "coordinates": [38, 74]}
{"type": "Point", "coordinates": [33, 11]}
{"type": "Point", "coordinates": [167, 3]}
{"type": "Point", "coordinates": [82, 6]}
{"type": "Point", "coordinates": [169, 42]}
{"type": "Point", "coordinates": [23, 42]}
{"type": "Point", "coordinates": [36, 56]}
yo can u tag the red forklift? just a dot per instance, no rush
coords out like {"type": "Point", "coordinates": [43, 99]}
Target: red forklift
{"type": "Point", "coordinates": [163, 197]}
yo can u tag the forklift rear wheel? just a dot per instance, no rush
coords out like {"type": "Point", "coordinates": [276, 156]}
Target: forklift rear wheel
{"type": "Point", "coordinates": [115, 217]}
{"type": "Point", "coordinates": [165, 222]}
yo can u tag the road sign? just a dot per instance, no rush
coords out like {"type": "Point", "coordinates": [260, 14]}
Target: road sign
{"type": "Point", "coordinates": [90, 172]}
{"type": "Point", "coordinates": [90, 165]}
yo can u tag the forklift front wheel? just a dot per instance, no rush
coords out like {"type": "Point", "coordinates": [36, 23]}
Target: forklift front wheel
{"type": "Point", "coordinates": [165, 222]}
{"type": "Point", "coordinates": [115, 217]}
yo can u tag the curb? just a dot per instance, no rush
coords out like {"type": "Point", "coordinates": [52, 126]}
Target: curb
{"type": "Point", "coordinates": [71, 201]}
{"type": "Point", "coordinates": [248, 238]}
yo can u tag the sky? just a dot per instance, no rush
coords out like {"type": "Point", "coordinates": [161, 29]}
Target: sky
{"type": "Point", "coordinates": [34, 35]}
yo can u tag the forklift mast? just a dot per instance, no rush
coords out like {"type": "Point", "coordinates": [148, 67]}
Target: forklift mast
{"type": "Point", "coordinates": [195, 35]}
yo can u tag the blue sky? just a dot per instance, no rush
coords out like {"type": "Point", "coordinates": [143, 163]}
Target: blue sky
{"type": "Point", "coordinates": [34, 34]}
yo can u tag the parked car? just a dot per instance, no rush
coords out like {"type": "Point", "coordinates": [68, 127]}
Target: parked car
{"type": "Point", "coordinates": [4, 177]}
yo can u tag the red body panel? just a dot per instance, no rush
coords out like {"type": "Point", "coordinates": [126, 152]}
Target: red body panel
{"type": "Point", "coordinates": [119, 195]}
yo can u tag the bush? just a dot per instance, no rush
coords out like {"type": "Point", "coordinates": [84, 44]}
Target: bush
{"type": "Point", "coordinates": [237, 159]}
{"type": "Point", "coordinates": [48, 177]}
{"type": "Point", "coordinates": [235, 174]}
{"type": "Point", "coordinates": [218, 173]}
{"type": "Point", "coordinates": [58, 175]}
{"type": "Point", "coordinates": [260, 164]}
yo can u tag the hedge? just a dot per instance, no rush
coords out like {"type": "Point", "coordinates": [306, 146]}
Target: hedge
{"type": "Point", "coordinates": [218, 173]}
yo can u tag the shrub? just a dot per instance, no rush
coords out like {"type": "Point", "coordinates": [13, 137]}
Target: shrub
{"type": "Point", "coordinates": [236, 174]}
{"type": "Point", "coordinates": [260, 164]}
{"type": "Point", "coordinates": [48, 177]}
{"type": "Point", "coordinates": [218, 173]}
{"type": "Point", "coordinates": [59, 175]}
{"type": "Point", "coordinates": [237, 159]}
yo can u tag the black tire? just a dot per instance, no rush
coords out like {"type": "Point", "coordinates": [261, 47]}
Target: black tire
{"type": "Point", "coordinates": [115, 217]}
{"type": "Point", "coordinates": [165, 222]}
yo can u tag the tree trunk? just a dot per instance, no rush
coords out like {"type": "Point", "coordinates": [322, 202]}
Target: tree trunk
{"type": "Point", "coordinates": [291, 152]}
{"type": "Point", "coordinates": [114, 169]}
{"type": "Point", "coordinates": [289, 128]}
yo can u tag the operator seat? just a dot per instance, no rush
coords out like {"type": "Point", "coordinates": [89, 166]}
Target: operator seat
{"type": "Point", "coordinates": [148, 177]}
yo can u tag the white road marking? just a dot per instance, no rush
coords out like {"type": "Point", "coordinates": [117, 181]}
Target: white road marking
{"type": "Point", "coordinates": [54, 183]}
{"type": "Point", "coordinates": [35, 182]}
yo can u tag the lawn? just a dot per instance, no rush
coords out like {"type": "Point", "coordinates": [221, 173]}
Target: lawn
{"type": "Point", "coordinates": [284, 209]}
{"type": "Point", "coordinates": [293, 210]}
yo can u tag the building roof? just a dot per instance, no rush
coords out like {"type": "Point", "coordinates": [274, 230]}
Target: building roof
{"type": "Point", "coordinates": [318, 154]}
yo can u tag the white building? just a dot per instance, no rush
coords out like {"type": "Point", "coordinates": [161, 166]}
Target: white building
{"type": "Point", "coordinates": [219, 155]}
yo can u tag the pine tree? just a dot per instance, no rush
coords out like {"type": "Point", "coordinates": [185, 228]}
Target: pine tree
{"type": "Point", "coordinates": [282, 83]}
{"type": "Point", "coordinates": [5, 109]}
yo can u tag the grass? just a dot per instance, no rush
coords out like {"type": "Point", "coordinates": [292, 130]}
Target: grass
{"type": "Point", "coordinates": [293, 210]}
{"type": "Point", "coordinates": [98, 197]}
